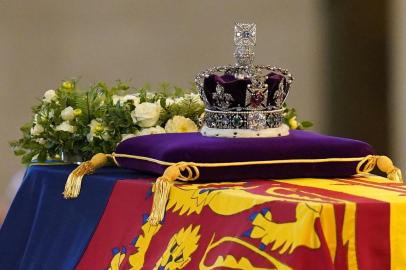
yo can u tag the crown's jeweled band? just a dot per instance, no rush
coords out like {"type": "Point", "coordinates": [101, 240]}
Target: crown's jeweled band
{"type": "Point", "coordinates": [243, 120]}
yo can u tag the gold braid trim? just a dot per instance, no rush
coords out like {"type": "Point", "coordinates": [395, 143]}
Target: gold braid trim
{"type": "Point", "coordinates": [189, 171]}
{"type": "Point", "coordinates": [240, 163]}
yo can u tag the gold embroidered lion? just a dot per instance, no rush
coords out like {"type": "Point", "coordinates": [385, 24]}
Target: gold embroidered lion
{"type": "Point", "coordinates": [179, 250]}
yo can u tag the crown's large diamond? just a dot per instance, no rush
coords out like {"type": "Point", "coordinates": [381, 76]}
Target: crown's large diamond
{"type": "Point", "coordinates": [256, 98]}
{"type": "Point", "coordinates": [256, 121]}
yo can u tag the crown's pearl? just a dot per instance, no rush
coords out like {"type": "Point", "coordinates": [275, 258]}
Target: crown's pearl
{"type": "Point", "coordinates": [256, 98]}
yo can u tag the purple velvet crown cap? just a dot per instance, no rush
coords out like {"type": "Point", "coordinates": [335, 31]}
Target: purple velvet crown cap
{"type": "Point", "coordinates": [237, 87]}
{"type": "Point", "coordinates": [194, 147]}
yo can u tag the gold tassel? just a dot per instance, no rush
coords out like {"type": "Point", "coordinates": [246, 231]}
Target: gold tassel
{"type": "Point", "coordinates": [163, 186]}
{"type": "Point", "coordinates": [383, 163]}
{"type": "Point", "coordinates": [74, 182]}
{"type": "Point", "coordinates": [393, 173]}
{"type": "Point", "coordinates": [161, 194]}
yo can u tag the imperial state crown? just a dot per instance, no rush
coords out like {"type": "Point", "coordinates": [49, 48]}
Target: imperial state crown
{"type": "Point", "coordinates": [244, 100]}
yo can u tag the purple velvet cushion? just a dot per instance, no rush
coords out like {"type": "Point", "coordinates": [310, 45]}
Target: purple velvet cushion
{"type": "Point", "coordinates": [197, 148]}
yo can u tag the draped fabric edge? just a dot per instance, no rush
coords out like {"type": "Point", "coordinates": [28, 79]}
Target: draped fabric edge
{"type": "Point", "coordinates": [189, 171]}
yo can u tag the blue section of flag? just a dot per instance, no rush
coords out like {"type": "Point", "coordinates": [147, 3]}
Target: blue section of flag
{"type": "Point", "coordinates": [40, 218]}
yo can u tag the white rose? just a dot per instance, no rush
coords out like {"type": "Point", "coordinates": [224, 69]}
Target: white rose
{"type": "Point", "coordinates": [116, 99]}
{"type": "Point", "coordinates": [37, 130]}
{"type": "Point", "coordinates": [180, 124]}
{"type": "Point", "coordinates": [123, 99]}
{"type": "Point", "coordinates": [51, 114]}
{"type": "Point", "coordinates": [151, 130]}
{"type": "Point", "coordinates": [41, 141]}
{"type": "Point", "coordinates": [36, 118]}
{"type": "Point", "coordinates": [66, 126]}
{"type": "Point", "coordinates": [89, 137]}
{"type": "Point", "coordinates": [135, 100]}
{"type": "Point", "coordinates": [49, 96]}
{"type": "Point", "coordinates": [146, 114]}
{"type": "Point", "coordinates": [179, 99]}
{"type": "Point", "coordinates": [169, 101]}
{"type": "Point", "coordinates": [196, 98]}
{"type": "Point", "coordinates": [105, 136]}
{"type": "Point", "coordinates": [68, 114]}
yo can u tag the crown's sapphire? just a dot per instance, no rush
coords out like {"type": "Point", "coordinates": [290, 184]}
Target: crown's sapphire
{"type": "Point", "coordinates": [246, 34]}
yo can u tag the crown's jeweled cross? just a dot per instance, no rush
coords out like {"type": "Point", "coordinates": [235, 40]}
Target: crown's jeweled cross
{"type": "Point", "coordinates": [245, 36]}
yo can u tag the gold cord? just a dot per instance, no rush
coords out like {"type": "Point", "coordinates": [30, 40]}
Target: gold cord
{"type": "Point", "coordinates": [240, 163]}
{"type": "Point", "coordinates": [366, 164]}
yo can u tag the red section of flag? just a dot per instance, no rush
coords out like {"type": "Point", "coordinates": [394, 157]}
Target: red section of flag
{"type": "Point", "coordinates": [119, 224]}
{"type": "Point", "coordinates": [131, 202]}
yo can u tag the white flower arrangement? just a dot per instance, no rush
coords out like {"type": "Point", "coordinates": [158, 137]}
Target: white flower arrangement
{"type": "Point", "coordinates": [83, 123]}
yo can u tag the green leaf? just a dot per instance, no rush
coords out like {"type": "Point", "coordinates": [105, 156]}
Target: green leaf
{"type": "Point", "coordinates": [19, 152]}
{"type": "Point", "coordinates": [164, 87]}
{"type": "Point", "coordinates": [42, 156]}
{"type": "Point", "coordinates": [306, 124]}
{"type": "Point", "coordinates": [26, 159]}
{"type": "Point", "coordinates": [178, 92]}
